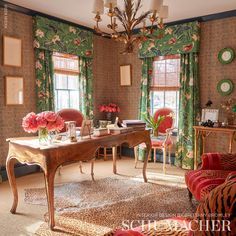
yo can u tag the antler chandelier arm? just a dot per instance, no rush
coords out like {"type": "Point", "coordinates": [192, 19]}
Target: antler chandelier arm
{"type": "Point", "coordinates": [129, 20]}
{"type": "Point", "coordinates": [137, 8]}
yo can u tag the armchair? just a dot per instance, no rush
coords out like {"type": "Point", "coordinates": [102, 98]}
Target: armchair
{"type": "Point", "coordinates": [163, 141]}
{"type": "Point", "coordinates": [215, 169]}
{"type": "Point", "coordinates": [70, 114]}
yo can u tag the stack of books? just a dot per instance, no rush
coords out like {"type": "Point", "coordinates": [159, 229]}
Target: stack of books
{"type": "Point", "coordinates": [100, 132]}
{"type": "Point", "coordinates": [137, 125]}
{"type": "Point", "coordinates": [121, 130]}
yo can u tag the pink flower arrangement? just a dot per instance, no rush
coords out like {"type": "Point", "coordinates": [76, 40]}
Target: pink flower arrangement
{"type": "Point", "coordinates": [109, 108]}
{"type": "Point", "coordinates": [48, 120]}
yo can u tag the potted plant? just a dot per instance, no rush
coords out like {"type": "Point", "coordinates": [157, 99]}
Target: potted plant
{"type": "Point", "coordinates": [154, 123]}
{"type": "Point", "coordinates": [109, 109]}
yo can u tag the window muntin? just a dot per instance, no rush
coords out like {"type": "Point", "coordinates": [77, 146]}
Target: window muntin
{"type": "Point", "coordinates": [165, 84]}
{"type": "Point", "coordinates": [170, 99]}
{"type": "Point", "coordinates": [66, 84]}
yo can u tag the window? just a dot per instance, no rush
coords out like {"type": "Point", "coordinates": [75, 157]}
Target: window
{"type": "Point", "coordinates": [66, 84]}
{"type": "Point", "coordinates": [165, 84]}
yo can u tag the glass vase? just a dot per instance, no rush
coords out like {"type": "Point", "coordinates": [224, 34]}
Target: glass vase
{"type": "Point", "coordinates": [44, 138]}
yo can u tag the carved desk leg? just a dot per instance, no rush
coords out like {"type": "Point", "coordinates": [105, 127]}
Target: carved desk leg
{"type": "Point", "coordinates": [92, 167]}
{"type": "Point", "coordinates": [231, 140]}
{"type": "Point", "coordinates": [196, 140]}
{"type": "Point", "coordinates": [114, 154]}
{"type": "Point", "coordinates": [148, 145]}
{"type": "Point", "coordinates": [49, 184]}
{"type": "Point", "coordinates": [12, 180]}
{"type": "Point", "coordinates": [135, 156]}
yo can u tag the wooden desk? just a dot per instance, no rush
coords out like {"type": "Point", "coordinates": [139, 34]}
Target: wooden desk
{"type": "Point", "coordinates": [49, 158]}
{"type": "Point", "coordinates": [203, 132]}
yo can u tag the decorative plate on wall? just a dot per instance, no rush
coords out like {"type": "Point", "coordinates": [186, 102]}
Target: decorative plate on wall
{"type": "Point", "coordinates": [226, 55]}
{"type": "Point", "coordinates": [225, 87]}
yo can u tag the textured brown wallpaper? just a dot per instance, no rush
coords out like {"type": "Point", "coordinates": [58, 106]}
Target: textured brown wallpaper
{"type": "Point", "coordinates": [216, 35]}
{"type": "Point", "coordinates": [18, 25]}
{"type": "Point", "coordinates": [107, 59]}
{"type": "Point", "coordinates": [105, 77]}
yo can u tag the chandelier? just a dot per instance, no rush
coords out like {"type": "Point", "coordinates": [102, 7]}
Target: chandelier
{"type": "Point", "coordinates": [129, 19]}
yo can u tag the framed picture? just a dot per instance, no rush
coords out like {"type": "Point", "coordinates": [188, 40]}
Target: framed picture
{"type": "Point", "coordinates": [86, 128]}
{"type": "Point", "coordinates": [225, 87]}
{"type": "Point", "coordinates": [210, 114]}
{"type": "Point", "coordinates": [12, 51]}
{"type": "Point", "coordinates": [14, 90]}
{"type": "Point", "coordinates": [125, 75]}
{"type": "Point", "coordinates": [226, 55]}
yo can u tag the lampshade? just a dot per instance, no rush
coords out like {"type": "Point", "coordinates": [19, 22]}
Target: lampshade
{"type": "Point", "coordinates": [98, 7]}
{"type": "Point", "coordinates": [108, 2]}
{"type": "Point", "coordinates": [155, 5]}
{"type": "Point", "coordinates": [164, 11]}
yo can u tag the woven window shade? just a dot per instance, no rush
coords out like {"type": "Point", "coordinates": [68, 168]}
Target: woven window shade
{"type": "Point", "coordinates": [166, 73]}
{"type": "Point", "coordinates": [65, 63]}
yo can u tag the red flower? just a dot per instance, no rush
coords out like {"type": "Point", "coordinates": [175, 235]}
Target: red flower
{"type": "Point", "coordinates": [160, 36]}
{"type": "Point", "coordinates": [172, 41]}
{"type": "Point", "coordinates": [109, 108]}
{"type": "Point", "coordinates": [150, 72]}
{"type": "Point", "coordinates": [88, 53]}
{"type": "Point", "coordinates": [48, 120]}
{"type": "Point", "coordinates": [42, 95]}
{"type": "Point", "coordinates": [29, 123]}
{"type": "Point", "coordinates": [160, 26]}
{"type": "Point", "coordinates": [77, 42]}
{"type": "Point", "coordinates": [41, 121]}
{"type": "Point", "coordinates": [188, 47]}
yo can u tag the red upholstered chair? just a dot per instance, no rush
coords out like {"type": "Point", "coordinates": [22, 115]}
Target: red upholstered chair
{"type": "Point", "coordinates": [215, 169]}
{"type": "Point", "coordinates": [164, 141]}
{"type": "Point", "coordinates": [70, 114]}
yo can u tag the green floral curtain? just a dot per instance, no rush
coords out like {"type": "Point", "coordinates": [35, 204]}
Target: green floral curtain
{"type": "Point", "coordinates": [144, 107]}
{"type": "Point", "coordinates": [53, 36]}
{"type": "Point", "coordinates": [188, 110]}
{"type": "Point", "coordinates": [44, 80]}
{"type": "Point", "coordinates": [60, 37]}
{"type": "Point", "coordinates": [86, 86]}
{"type": "Point", "coordinates": [176, 39]}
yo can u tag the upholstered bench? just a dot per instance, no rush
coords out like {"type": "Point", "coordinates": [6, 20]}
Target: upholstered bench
{"type": "Point", "coordinates": [215, 169]}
